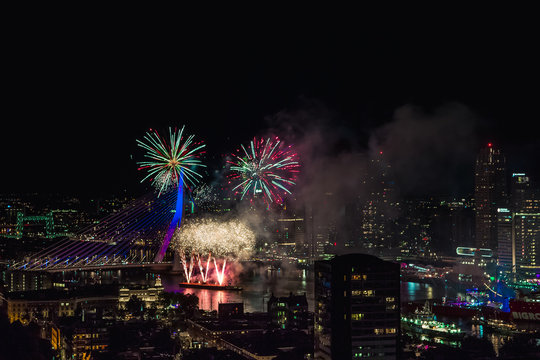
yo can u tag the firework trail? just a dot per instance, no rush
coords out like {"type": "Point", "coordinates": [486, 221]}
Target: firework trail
{"type": "Point", "coordinates": [220, 274]}
{"type": "Point", "coordinates": [224, 240]}
{"type": "Point", "coordinates": [187, 265]}
{"type": "Point", "coordinates": [203, 270]}
{"type": "Point", "coordinates": [265, 167]}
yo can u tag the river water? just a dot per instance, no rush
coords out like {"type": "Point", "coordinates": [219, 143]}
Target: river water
{"type": "Point", "coordinates": [258, 289]}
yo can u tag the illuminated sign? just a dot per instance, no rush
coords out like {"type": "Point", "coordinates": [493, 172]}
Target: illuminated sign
{"type": "Point", "coordinates": [469, 251]}
{"type": "Point", "coordinates": [526, 315]}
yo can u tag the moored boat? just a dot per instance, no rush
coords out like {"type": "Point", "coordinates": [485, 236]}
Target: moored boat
{"type": "Point", "coordinates": [526, 307]}
{"type": "Point", "coordinates": [210, 286]}
{"type": "Point", "coordinates": [423, 321]}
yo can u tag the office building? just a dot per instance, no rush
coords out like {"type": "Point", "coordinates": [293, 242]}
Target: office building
{"type": "Point", "coordinates": [490, 194]}
{"type": "Point", "coordinates": [357, 308]}
{"type": "Point", "coordinates": [230, 310]}
{"type": "Point", "coordinates": [505, 243]}
{"type": "Point", "coordinates": [527, 242]}
{"type": "Point", "coordinates": [289, 312]}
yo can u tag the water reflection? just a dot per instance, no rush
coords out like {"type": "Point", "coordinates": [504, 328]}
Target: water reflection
{"type": "Point", "coordinates": [256, 292]}
{"type": "Point", "coordinates": [412, 291]}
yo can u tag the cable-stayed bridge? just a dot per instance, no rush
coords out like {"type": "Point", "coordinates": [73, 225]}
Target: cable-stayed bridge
{"type": "Point", "coordinates": [131, 237]}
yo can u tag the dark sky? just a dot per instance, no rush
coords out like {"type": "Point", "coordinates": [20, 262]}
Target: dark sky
{"type": "Point", "coordinates": [77, 96]}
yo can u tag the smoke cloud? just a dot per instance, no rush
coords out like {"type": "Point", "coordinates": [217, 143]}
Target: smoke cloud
{"type": "Point", "coordinates": [421, 153]}
{"type": "Point", "coordinates": [431, 152]}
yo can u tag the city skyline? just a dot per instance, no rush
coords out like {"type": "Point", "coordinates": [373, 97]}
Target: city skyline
{"type": "Point", "coordinates": [298, 187]}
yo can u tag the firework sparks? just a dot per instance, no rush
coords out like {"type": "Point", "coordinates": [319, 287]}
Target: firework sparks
{"type": "Point", "coordinates": [225, 240]}
{"type": "Point", "coordinates": [203, 270]}
{"type": "Point", "coordinates": [187, 265]}
{"type": "Point", "coordinates": [205, 197]}
{"type": "Point", "coordinates": [266, 167]}
{"type": "Point", "coordinates": [220, 274]}
{"type": "Point", "coordinates": [172, 162]}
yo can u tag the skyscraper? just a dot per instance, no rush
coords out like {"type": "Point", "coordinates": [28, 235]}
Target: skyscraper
{"type": "Point", "coordinates": [525, 235]}
{"type": "Point", "coordinates": [490, 194]}
{"type": "Point", "coordinates": [520, 188]}
{"type": "Point", "coordinates": [527, 242]}
{"type": "Point", "coordinates": [506, 244]}
{"type": "Point", "coordinates": [357, 308]}
{"type": "Point", "coordinates": [378, 205]}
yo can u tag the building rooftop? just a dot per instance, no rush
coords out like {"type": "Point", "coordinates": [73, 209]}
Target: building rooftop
{"type": "Point", "coordinates": [56, 294]}
{"type": "Point", "coordinates": [271, 342]}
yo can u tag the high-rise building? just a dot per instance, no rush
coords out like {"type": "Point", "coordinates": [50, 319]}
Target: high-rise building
{"type": "Point", "coordinates": [320, 228]}
{"type": "Point", "coordinates": [505, 243]}
{"type": "Point", "coordinates": [525, 229]}
{"type": "Point", "coordinates": [520, 191]}
{"type": "Point", "coordinates": [490, 194]}
{"type": "Point", "coordinates": [378, 206]}
{"type": "Point", "coordinates": [524, 196]}
{"type": "Point", "coordinates": [289, 233]}
{"type": "Point", "coordinates": [357, 308]}
{"type": "Point", "coordinates": [527, 241]}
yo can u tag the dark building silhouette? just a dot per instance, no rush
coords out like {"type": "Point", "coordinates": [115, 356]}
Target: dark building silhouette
{"type": "Point", "coordinates": [490, 194]}
{"type": "Point", "coordinates": [289, 312]}
{"type": "Point", "coordinates": [230, 310]}
{"type": "Point", "coordinates": [357, 308]}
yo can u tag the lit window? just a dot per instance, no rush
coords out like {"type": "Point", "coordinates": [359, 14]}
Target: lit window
{"type": "Point", "coordinates": [357, 316]}
{"type": "Point", "coordinates": [366, 293]}
{"type": "Point", "coordinates": [359, 277]}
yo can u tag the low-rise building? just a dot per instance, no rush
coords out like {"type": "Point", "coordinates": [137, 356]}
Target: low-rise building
{"type": "Point", "coordinates": [290, 312]}
{"type": "Point", "coordinates": [149, 295]}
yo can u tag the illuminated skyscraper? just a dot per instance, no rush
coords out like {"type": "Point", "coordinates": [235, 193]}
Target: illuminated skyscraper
{"type": "Point", "coordinates": [505, 243]}
{"type": "Point", "coordinates": [378, 205]}
{"type": "Point", "coordinates": [524, 196]}
{"type": "Point", "coordinates": [490, 194]}
{"type": "Point", "coordinates": [520, 189]}
{"type": "Point", "coordinates": [527, 242]}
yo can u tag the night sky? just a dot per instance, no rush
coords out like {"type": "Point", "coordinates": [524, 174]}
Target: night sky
{"type": "Point", "coordinates": [78, 96]}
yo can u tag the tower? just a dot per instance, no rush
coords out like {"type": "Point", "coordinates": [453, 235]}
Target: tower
{"type": "Point", "coordinates": [505, 239]}
{"type": "Point", "coordinates": [527, 242]}
{"type": "Point", "coordinates": [357, 311]}
{"type": "Point", "coordinates": [490, 194]}
{"type": "Point", "coordinates": [378, 206]}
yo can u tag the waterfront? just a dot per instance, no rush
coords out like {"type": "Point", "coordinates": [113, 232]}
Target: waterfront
{"type": "Point", "coordinates": [260, 282]}
{"type": "Point", "coordinates": [258, 286]}
{"type": "Point", "coordinates": [256, 292]}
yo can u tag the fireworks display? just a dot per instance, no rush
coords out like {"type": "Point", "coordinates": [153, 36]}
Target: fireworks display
{"type": "Point", "coordinates": [222, 241]}
{"type": "Point", "coordinates": [266, 167]}
{"type": "Point", "coordinates": [205, 197]}
{"type": "Point", "coordinates": [170, 162]}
